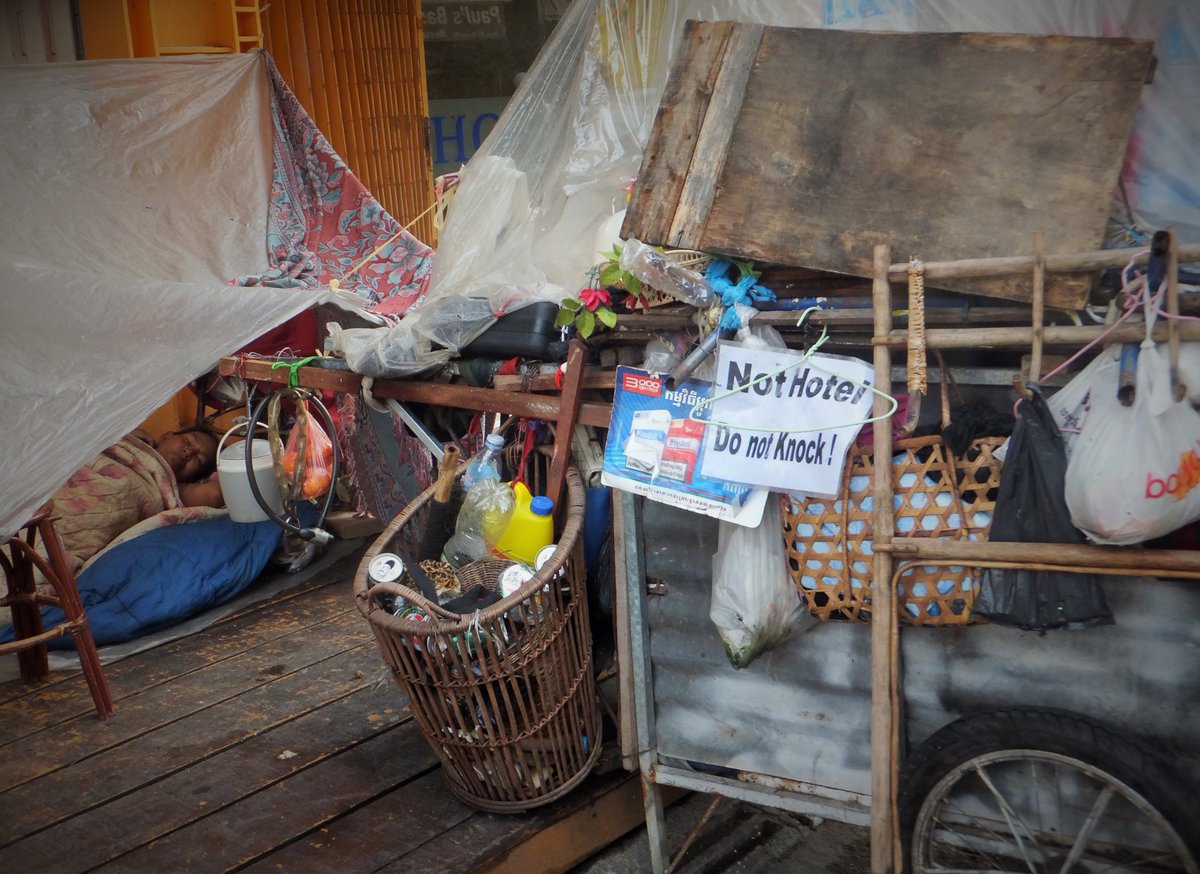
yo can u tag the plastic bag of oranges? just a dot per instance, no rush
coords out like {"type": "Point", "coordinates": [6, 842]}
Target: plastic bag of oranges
{"type": "Point", "coordinates": [308, 441]}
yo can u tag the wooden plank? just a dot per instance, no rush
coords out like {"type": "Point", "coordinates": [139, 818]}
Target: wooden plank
{"type": "Point", "coordinates": [563, 844]}
{"type": "Point", "coordinates": [291, 809]}
{"type": "Point", "coordinates": [185, 695]}
{"type": "Point", "coordinates": [712, 143]}
{"type": "Point", "coordinates": [546, 839]}
{"type": "Point", "coordinates": [65, 696]}
{"type": "Point", "coordinates": [419, 816]}
{"type": "Point", "coordinates": [211, 785]}
{"type": "Point", "coordinates": [950, 145]}
{"type": "Point", "coordinates": [437, 393]}
{"type": "Point", "coordinates": [564, 426]}
{"type": "Point", "coordinates": [606, 379]}
{"type": "Point", "coordinates": [206, 731]}
{"type": "Point", "coordinates": [668, 154]}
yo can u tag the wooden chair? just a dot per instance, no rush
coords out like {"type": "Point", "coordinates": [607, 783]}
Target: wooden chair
{"type": "Point", "coordinates": [18, 558]}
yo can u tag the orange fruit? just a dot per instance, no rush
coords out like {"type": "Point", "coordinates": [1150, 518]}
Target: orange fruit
{"type": "Point", "coordinates": [315, 485]}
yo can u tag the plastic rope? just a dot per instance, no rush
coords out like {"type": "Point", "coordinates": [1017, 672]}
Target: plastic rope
{"type": "Point", "coordinates": [294, 369]}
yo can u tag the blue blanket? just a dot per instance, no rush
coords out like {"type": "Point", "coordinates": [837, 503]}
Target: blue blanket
{"type": "Point", "coordinates": [166, 575]}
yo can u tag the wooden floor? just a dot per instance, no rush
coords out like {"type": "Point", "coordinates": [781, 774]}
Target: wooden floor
{"type": "Point", "coordinates": [272, 741]}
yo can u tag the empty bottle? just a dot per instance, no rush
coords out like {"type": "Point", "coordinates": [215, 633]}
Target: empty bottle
{"type": "Point", "coordinates": [486, 510]}
{"type": "Point", "coordinates": [485, 464]}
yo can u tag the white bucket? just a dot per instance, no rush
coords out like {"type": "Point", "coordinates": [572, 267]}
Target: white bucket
{"type": "Point", "coordinates": [235, 485]}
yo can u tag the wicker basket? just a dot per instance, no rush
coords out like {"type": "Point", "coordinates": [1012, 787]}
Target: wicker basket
{"type": "Point", "coordinates": [506, 697]}
{"type": "Point", "coordinates": [936, 495]}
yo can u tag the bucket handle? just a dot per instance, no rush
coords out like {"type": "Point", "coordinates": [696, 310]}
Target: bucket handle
{"type": "Point", "coordinates": [235, 427]}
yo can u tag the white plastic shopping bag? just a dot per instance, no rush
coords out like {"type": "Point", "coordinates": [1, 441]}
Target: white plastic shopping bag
{"type": "Point", "coordinates": [1071, 404]}
{"type": "Point", "coordinates": [1134, 473]}
{"type": "Point", "coordinates": [754, 604]}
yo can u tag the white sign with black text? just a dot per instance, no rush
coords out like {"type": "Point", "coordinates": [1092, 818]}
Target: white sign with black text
{"type": "Point", "coordinates": [783, 421]}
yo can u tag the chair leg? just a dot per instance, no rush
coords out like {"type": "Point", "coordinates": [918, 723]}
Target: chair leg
{"type": "Point", "coordinates": [26, 614]}
{"type": "Point", "coordinates": [68, 595]}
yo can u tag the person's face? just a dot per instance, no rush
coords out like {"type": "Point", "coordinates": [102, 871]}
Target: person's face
{"type": "Point", "coordinates": [188, 454]}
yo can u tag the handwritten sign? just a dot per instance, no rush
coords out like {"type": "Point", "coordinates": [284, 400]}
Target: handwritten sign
{"type": "Point", "coordinates": [783, 421]}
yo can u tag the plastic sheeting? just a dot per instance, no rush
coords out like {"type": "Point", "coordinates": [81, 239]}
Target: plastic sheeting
{"type": "Point", "coordinates": [133, 192]}
{"type": "Point", "coordinates": [524, 219]}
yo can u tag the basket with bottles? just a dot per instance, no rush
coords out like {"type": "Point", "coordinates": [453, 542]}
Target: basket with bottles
{"type": "Point", "coordinates": [495, 654]}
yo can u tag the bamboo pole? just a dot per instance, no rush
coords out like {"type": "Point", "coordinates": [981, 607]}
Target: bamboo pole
{"type": "Point", "coordinates": [884, 637]}
{"type": "Point", "coordinates": [1081, 262]}
{"type": "Point", "coordinates": [1039, 304]}
{"type": "Point", "coordinates": [1061, 335]}
{"type": "Point", "coordinates": [1061, 555]}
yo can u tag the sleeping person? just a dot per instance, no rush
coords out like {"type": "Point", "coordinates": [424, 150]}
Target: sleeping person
{"type": "Point", "coordinates": [132, 480]}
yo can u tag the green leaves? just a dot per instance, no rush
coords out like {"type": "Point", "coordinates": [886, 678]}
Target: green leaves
{"type": "Point", "coordinates": [585, 323]}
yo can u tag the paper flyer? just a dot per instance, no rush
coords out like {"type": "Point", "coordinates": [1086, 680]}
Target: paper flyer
{"type": "Point", "coordinates": [656, 450]}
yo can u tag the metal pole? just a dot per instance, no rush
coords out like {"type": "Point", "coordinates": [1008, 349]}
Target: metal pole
{"type": "Point", "coordinates": [643, 683]}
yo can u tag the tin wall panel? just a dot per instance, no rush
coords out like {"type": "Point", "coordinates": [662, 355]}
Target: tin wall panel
{"type": "Point", "coordinates": [358, 68]}
{"type": "Point", "coordinates": [802, 711]}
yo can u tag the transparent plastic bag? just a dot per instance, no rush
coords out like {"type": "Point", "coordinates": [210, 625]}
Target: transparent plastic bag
{"type": "Point", "coordinates": [656, 270]}
{"type": "Point", "coordinates": [394, 351]}
{"type": "Point", "coordinates": [307, 458]}
{"type": "Point", "coordinates": [485, 513]}
{"type": "Point", "coordinates": [754, 600]}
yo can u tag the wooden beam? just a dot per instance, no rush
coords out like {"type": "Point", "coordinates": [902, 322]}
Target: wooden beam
{"type": "Point", "coordinates": [563, 844]}
{"type": "Point", "coordinates": [1081, 262]}
{"type": "Point", "coordinates": [522, 404]}
{"type": "Point", "coordinates": [565, 418]}
{"type": "Point", "coordinates": [1062, 335]}
{"type": "Point", "coordinates": [884, 623]}
{"type": "Point", "coordinates": [1145, 562]}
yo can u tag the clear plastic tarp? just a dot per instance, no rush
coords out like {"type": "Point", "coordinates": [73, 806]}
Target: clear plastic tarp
{"type": "Point", "coordinates": [133, 192]}
{"type": "Point", "coordinates": [534, 206]}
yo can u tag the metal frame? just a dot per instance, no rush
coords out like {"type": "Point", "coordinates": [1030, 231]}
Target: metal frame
{"type": "Point", "coordinates": [795, 796]}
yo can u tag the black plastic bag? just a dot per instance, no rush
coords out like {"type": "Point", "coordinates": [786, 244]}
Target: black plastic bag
{"type": "Point", "coordinates": [1031, 508]}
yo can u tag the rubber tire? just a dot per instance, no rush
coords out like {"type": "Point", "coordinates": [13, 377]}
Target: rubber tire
{"type": "Point", "coordinates": [1130, 760]}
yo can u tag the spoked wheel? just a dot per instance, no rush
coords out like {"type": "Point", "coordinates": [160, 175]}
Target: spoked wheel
{"type": "Point", "coordinates": [1044, 791]}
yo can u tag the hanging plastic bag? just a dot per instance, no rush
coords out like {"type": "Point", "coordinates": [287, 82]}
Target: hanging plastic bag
{"type": "Point", "coordinates": [308, 455]}
{"type": "Point", "coordinates": [1030, 508]}
{"type": "Point", "coordinates": [1072, 403]}
{"type": "Point", "coordinates": [754, 601]}
{"type": "Point", "coordinates": [1135, 471]}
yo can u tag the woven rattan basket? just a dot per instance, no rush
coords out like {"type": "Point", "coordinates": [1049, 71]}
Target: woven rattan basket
{"type": "Point", "coordinates": [506, 697]}
{"type": "Point", "coordinates": [936, 495]}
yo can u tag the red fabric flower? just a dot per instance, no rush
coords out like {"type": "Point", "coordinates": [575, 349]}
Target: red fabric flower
{"type": "Point", "coordinates": [594, 298]}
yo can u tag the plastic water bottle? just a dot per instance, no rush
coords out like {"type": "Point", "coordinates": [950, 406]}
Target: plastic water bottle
{"type": "Point", "coordinates": [530, 528]}
{"type": "Point", "coordinates": [484, 516]}
{"type": "Point", "coordinates": [486, 464]}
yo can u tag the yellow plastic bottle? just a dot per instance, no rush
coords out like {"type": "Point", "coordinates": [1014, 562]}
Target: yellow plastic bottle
{"type": "Point", "coordinates": [530, 528]}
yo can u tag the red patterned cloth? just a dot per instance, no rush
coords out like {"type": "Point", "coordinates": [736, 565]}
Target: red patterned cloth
{"type": "Point", "coordinates": [323, 223]}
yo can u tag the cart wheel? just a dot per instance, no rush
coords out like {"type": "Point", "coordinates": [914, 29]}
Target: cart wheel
{"type": "Point", "coordinates": [1037, 790]}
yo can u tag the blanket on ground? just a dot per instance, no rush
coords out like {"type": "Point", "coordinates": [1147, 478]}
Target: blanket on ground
{"type": "Point", "coordinates": [162, 571]}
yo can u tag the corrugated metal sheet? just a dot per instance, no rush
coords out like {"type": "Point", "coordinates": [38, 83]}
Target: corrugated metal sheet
{"type": "Point", "coordinates": [358, 68]}
{"type": "Point", "coordinates": [802, 711]}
